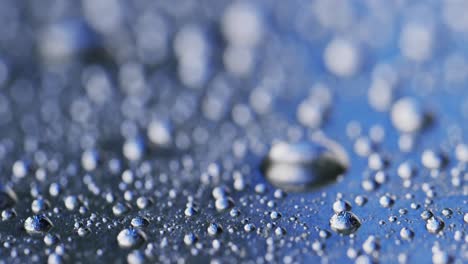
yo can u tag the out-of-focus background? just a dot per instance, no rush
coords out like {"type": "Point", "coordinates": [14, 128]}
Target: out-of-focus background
{"type": "Point", "coordinates": [233, 131]}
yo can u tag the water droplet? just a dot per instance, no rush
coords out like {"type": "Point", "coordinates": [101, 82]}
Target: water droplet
{"type": "Point", "coordinates": [406, 233]}
{"type": "Point", "coordinates": [51, 239]}
{"type": "Point", "coordinates": [8, 214]}
{"type": "Point", "coordinates": [120, 209]}
{"type": "Point", "coordinates": [139, 222]}
{"type": "Point", "coordinates": [223, 203]}
{"type": "Point", "coordinates": [133, 149]}
{"type": "Point", "coordinates": [434, 225]}
{"type": "Point", "coordinates": [234, 212]}
{"type": "Point", "coordinates": [341, 205]}
{"type": "Point", "coordinates": [304, 165]}
{"type": "Point", "coordinates": [417, 41]}
{"type": "Point", "coordinates": [279, 231]}
{"type": "Point", "coordinates": [190, 239]}
{"type": "Point", "coordinates": [377, 161]}
{"type": "Point", "coordinates": [433, 160]}
{"type": "Point", "coordinates": [37, 224]}
{"type": "Point", "coordinates": [143, 202]}
{"type": "Point", "coordinates": [363, 259]}
{"type": "Point", "coordinates": [56, 258]}
{"type": "Point", "coordinates": [8, 197]}
{"type": "Point", "coordinates": [214, 229]}
{"type": "Point", "coordinates": [369, 185]}
{"type": "Point", "coordinates": [408, 116]}
{"type": "Point", "coordinates": [249, 227]}
{"type": "Point", "coordinates": [160, 133]}
{"type": "Point", "coordinates": [136, 257]}
{"type": "Point", "coordinates": [20, 169]}
{"type": "Point", "coordinates": [190, 211]}
{"type": "Point", "coordinates": [275, 215]}
{"type": "Point", "coordinates": [406, 170]}
{"type": "Point", "coordinates": [71, 202]}
{"type": "Point", "coordinates": [220, 192]}
{"type": "Point", "coordinates": [39, 205]}
{"type": "Point", "coordinates": [360, 200]}
{"type": "Point", "coordinates": [89, 160]}
{"type": "Point", "coordinates": [440, 257]}
{"type": "Point", "coordinates": [260, 188]}
{"type": "Point", "coordinates": [131, 238]}
{"type": "Point", "coordinates": [386, 201]}
{"type": "Point", "coordinates": [371, 245]}
{"type": "Point", "coordinates": [447, 212]}
{"type": "Point", "coordinates": [425, 215]}
{"type": "Point", "coordinates": [381, 177]}
{"type": "Point", "coordinates": [345, 222]}
{"type": "Point", "coordinates": [83, 231]}
{"type": "Point", "coordinates": [342, 57]}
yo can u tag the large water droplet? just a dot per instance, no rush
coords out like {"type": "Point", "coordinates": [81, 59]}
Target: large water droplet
{"type": "Point", "coordinates": [304, 165]}
{"type": "Point", "coordinates": [434, 225]}
{"type": "Point", "coordinates": [131, 238]}
{"type": "Point", "coordinates": [37, 224]}
{"type": "Point", "coordinates": [345, 222]}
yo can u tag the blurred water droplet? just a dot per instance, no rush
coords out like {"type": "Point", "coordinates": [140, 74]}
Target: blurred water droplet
{"type": "Point", "coordinates": [406, 233]}
{"type": "Point", "coordinates": [8, 197]}
{"type": "Point", "coordinates": [304, 165]}
{"type": "Point", "coordinates": [131, 238]}
{"type": "Point", "coordinates": [408, 116]}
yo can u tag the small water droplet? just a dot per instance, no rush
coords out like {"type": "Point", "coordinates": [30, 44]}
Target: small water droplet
{"type": "Point", "coordinates": [39, 205]}
{"type": "Point", "coordinates": [139, 222]}
{"type": "Point", "coordinates": [406, 233]}
{"type": "Point", "coordinates": [425, 215]}
{"type": "Point", "coordinates": [386, 201]}
{"type": "Point", "coordinates": [249, 227]}
{"type": "Point", "coordinates": [223, 203]}
{"type": "Point", "coordinates": [120, 209]}
{"type": "Point", "coordinates": [360, 200]}
{"type": "Point", "coordinates": [190, 239]}
{"type": "Point", "coordinates": [51, 239]}
{"type": "Point", "coordinates": [190, 211]}
{"type": "Point", "coordinates": [83, 231]}
{"type": "Point", "coordinates": [341, 205]}
{"type": "Point", "coordinates": [8, 214]}
{"type": "Point", "coordinates": [214, 229]}
{"type": "Point", "coordinates": [71, 202]}
{"type": "Point", "coordinates": [279, 231]}
{"type": "Point", "coordinates": [275, 215]}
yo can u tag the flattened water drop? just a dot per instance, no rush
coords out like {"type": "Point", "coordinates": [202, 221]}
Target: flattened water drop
{"type": "Point", "coordinates": [304, 165]}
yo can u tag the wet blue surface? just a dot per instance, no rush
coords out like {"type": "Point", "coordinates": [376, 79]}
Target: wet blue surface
{"type": "Point", "coordinates": [94, 75]}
